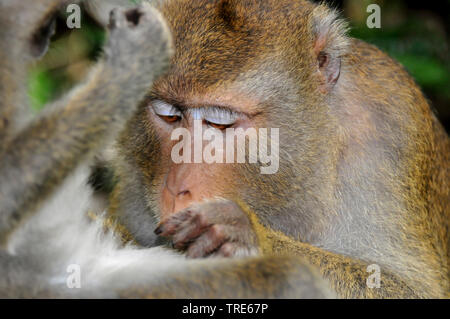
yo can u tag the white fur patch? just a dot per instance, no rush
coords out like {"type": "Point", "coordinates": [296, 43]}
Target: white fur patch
{"type": "Point", "coordinates": [60, 234]}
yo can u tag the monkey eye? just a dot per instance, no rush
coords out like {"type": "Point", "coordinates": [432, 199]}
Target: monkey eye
{"type": "Point", "coordinates": [171, 118]}
{"type": "Point", "coordinates": [219, 118]}
{"type": "Point", "coordinates": [166, 111]}
{"type": "Point", "coordinates": [218, 126]}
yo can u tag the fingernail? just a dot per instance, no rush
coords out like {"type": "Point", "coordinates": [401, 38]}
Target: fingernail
{"type": "Point", "coordinates": [158, 230]}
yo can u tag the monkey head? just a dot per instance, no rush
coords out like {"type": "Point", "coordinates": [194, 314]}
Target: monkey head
{"type": "Point", "coordinates": [263, 70]}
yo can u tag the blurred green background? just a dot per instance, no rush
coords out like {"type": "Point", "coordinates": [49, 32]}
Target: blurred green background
{"type": "Point", "coordinates": [415, 33]}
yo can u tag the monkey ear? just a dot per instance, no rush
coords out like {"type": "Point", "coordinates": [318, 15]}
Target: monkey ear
{"type": "Point", "coordinates": [330, 44]}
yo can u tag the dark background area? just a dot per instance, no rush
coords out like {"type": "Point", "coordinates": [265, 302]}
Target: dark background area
{"type": "Point", "coordinates": [416, 33]}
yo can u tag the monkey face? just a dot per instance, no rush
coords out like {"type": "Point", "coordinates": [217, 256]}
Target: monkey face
{"type": "Point", "coordinates": [200, 146]}
{"type": "Point", "coordinates": [229, 72]}
{"type": "Point", "coordinates": [205, 148]}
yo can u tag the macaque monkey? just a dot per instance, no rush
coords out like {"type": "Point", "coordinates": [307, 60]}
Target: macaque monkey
{"type": "Point", "coordinates": [49, 246]}
{"type": "Point", "coordinates": [363, 175]}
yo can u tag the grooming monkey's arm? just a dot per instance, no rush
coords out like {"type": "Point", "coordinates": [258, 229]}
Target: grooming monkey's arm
{"type": "Point", "coordinates": [259, 277]}
{"type": "Point", "coordinates": [38, 158]}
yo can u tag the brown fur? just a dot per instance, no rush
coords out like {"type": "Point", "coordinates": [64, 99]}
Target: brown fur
{"type": "Point", "coordinates": [364, 163]}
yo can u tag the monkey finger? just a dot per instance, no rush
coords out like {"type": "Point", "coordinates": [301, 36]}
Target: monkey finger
{"type": "Point", "coordinates": [199, 222]}
{"type": "Point", "coordinates": [231, 249]}
{"type": "Point", "coordinates": [221, 212]}
{"type": "Point", "coordinates": [208, 242]}
{"type": "Point", "coordinates": [171, 225]}
{"type": "Point", "coordinates": [189, 230]}
{"type": "Point", "coordinates": [116, 19]}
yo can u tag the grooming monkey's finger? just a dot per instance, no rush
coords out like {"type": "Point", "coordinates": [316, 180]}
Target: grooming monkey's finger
{"type": "Point", "coordinates": [100, 9]}
{"type": "Point", "coordinates": [208, 242]}
{"type": "Point", "coordinates": [117, 19]}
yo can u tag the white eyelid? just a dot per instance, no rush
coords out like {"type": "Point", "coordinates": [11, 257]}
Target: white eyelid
{"type": "Point", "coordinates": [164, 109]}
{"type": "Point", "coordinates": [220, 117]}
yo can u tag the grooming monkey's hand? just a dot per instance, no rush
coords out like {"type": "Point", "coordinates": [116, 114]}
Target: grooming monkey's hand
{"type": "Point", "coordinates": [140, 35]}
{"type": "Point", "coordinates": [28, 25]}
{"type": "Point", "coordinates": [216, 228]}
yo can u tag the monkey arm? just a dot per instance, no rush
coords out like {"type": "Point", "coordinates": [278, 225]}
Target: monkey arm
{"type": "Point", "coordinates": [347, 276]}
{"type": "Point", "coordinates": [40, 156]}
{"type": "Point", "coordinates": [257, 277]}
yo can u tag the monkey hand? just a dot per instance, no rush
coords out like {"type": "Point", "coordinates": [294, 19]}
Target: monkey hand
{"type": "Point", "coordinates": [28, 25]}
{"type": "Point", "coordinates": [212, 228]}
{"type": "Point", "coordinates": [140, 41]}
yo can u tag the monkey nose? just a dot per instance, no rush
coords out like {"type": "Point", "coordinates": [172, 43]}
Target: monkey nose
{"type": "Point", "coordinates": [175, 200]}
{"type": "Point", "coordinates": [177, 191]}
{"type": "Point", "coordinates": [182, 200]}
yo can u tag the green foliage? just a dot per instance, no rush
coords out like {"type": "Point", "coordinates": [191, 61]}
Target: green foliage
{"type": "Point", "coordinates": [95, 37]}
{"type": "Point", "coordinates": [423, 53]}
{"type": "Point", "coordinates": [430, 73]}
{"type": "Point", "coordinates": [41, 86]}
{"type": "Point", "coordinates": [45, 83]}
